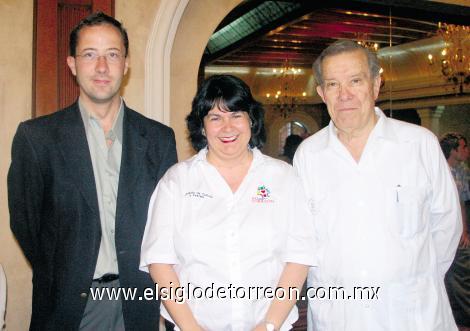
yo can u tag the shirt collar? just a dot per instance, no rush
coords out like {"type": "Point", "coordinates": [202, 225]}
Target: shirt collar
{"type": "Point", "coordinates": [382, 129]}
{"type": "Point", "coordinates": [257, 155]}
{"type": "Point", "coordinates": [116, 129]}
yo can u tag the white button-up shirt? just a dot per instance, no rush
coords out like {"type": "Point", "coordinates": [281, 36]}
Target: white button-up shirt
{"type": "Point", "coordinates": [390, 220]}
{"type": "Point", "coordinates": [243, 239]}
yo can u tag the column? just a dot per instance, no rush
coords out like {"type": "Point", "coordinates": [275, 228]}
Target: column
{"type": "Point", "coordinates": [430, 118]}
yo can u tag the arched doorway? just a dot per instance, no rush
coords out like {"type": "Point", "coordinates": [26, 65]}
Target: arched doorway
{"type": "Point", "coordinates": [183, 28]}
{"type": "Point", "coordinates": [179, 35]}
{"type": "Point", "coordinates": [275, 141]}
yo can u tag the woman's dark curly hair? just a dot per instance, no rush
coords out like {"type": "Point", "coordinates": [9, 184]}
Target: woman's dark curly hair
{"type": "Point", "coordinates": [231, 94]}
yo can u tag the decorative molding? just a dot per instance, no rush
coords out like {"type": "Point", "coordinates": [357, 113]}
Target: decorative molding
{"type": "Point", "coordinates": [53, 85]}
{"type": "Point", "coordinates": [68, 16]}
{"type": "Point", "coordinates": [447, 100]}
{"type": "Point", "coordinates": [157, 59]}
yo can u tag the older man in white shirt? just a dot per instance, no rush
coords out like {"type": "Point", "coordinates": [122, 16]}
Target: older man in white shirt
{"type": "Point", "coordinates": [385, 207]}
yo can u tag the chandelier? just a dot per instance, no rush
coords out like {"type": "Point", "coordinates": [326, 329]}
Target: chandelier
{"type": "Point", "coordinates": [455, 57]}
{"type": "Point", "coordinates": [284, 99]}
{"type": "Point", "coordinates": [363, 40]}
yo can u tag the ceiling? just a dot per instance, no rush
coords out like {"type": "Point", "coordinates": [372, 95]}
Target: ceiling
{"type": "Point", "coordinates": [261, 33]}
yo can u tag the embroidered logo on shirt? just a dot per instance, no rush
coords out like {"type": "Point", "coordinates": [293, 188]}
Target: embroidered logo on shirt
{"type": "Point", "coordinates": [263, 195]}
{"type": "Point", "coordinates": [312, 206]}
{"type": "Point", "coordinates": [199, 195]}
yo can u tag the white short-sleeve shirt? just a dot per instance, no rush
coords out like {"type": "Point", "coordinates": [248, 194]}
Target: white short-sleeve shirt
{"type": "Point", "coordinates": [391, 220]}
{"type": "Point", "coordinates": [217, 238]}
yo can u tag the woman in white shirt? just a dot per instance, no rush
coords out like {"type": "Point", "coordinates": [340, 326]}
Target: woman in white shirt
{"type": "Point", "coordinates": [229, 225]}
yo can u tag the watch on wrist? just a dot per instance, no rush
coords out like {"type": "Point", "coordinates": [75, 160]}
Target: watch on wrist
{"type": "Point", "coordinates": [270, 326]}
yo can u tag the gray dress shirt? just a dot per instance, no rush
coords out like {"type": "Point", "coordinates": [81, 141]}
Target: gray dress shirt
{"type": "Point", "coordinates": [106, 160]}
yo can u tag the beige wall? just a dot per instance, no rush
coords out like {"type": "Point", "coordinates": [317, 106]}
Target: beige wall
{"type": "Point", "coordinates": [199, 20]}
{"type": "Point", "coordinates": [137, 17]}
{"type": "Point", "coordinates": [16, 19]}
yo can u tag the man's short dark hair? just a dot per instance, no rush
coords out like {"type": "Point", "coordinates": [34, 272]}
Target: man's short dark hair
{"type": "Point", "coordinates": [95, 19]}
{"type": "Point", "coordinates": [231, 94]}
{"type": "Point", "coordinates": [450, 141]}
{"type": "Point", "coordinates": [345, 46]}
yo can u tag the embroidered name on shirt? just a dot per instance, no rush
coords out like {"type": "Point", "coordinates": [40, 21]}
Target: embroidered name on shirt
{"type": "Point", "coordinates": [263, 195]}
{"type": "Point", "coordinates": [199, 195]}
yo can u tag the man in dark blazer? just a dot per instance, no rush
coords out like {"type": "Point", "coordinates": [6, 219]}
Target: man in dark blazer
{"type": "Point", "coordinates": [79, 186]}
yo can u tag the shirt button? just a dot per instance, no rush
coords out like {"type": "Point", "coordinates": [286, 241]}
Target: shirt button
{"type": "Point", "coordinates": [83, 295]}
{"type": "Point", "coordinates": [112, 231]}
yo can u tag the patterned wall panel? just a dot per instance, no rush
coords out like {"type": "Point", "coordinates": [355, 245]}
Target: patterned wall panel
{"type": "Point", "coordinates": [54, 86]}
{"type": "Point", "coordinates": [68, 16]}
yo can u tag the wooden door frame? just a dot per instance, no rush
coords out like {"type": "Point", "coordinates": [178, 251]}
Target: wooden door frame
{"type": "Point", "coordinates": [45, 87]}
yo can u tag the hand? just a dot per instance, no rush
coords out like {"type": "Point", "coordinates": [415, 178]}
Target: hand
{"type": "Point", "coordinates": [260, 327]}
{"type": "Point", "coordinates": [464, 240]}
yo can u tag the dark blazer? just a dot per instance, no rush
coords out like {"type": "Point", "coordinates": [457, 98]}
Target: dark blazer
{"type": "Point", "coordinates": [55, 218]}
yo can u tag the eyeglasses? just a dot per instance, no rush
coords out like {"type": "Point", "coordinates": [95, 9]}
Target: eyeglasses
{"type": "Point", "coordinates": [92, 56]}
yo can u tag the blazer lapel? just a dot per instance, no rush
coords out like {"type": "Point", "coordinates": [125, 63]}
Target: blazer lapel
{"type": "Point", "coordinates": [134, 149]}
{"type": "Point", "coordinates": [74, 147]}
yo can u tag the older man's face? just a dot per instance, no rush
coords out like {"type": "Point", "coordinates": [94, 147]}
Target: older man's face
{"type": "Point", "coordinates": [349, 91]}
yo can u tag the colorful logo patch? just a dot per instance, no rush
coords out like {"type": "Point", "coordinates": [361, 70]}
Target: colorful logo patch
{"type": "Point", "coordinates": [263, 195]}
{"type": "Point", "coordinates": [263, 191]}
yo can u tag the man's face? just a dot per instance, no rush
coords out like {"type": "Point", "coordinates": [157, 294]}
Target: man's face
{"type": "Point", "coordinates": [462, 151]}
{"type": "Point", "coordinates": [349, 91]}
{"type": "Point", "coordinates": [100, 63]}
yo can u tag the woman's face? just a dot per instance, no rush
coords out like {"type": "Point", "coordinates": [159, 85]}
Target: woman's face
{"type": "Point", "coordinates": [227, 133]}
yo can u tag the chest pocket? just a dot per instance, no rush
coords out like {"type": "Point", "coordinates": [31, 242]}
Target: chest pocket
{"type": "Point", "coordinates": [411, 214]}
{"type": "Point", "coordinates": [322, 216]}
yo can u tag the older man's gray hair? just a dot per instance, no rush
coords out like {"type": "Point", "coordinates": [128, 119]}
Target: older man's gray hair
{"type": "Point", "coordinates": [345, 46]}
